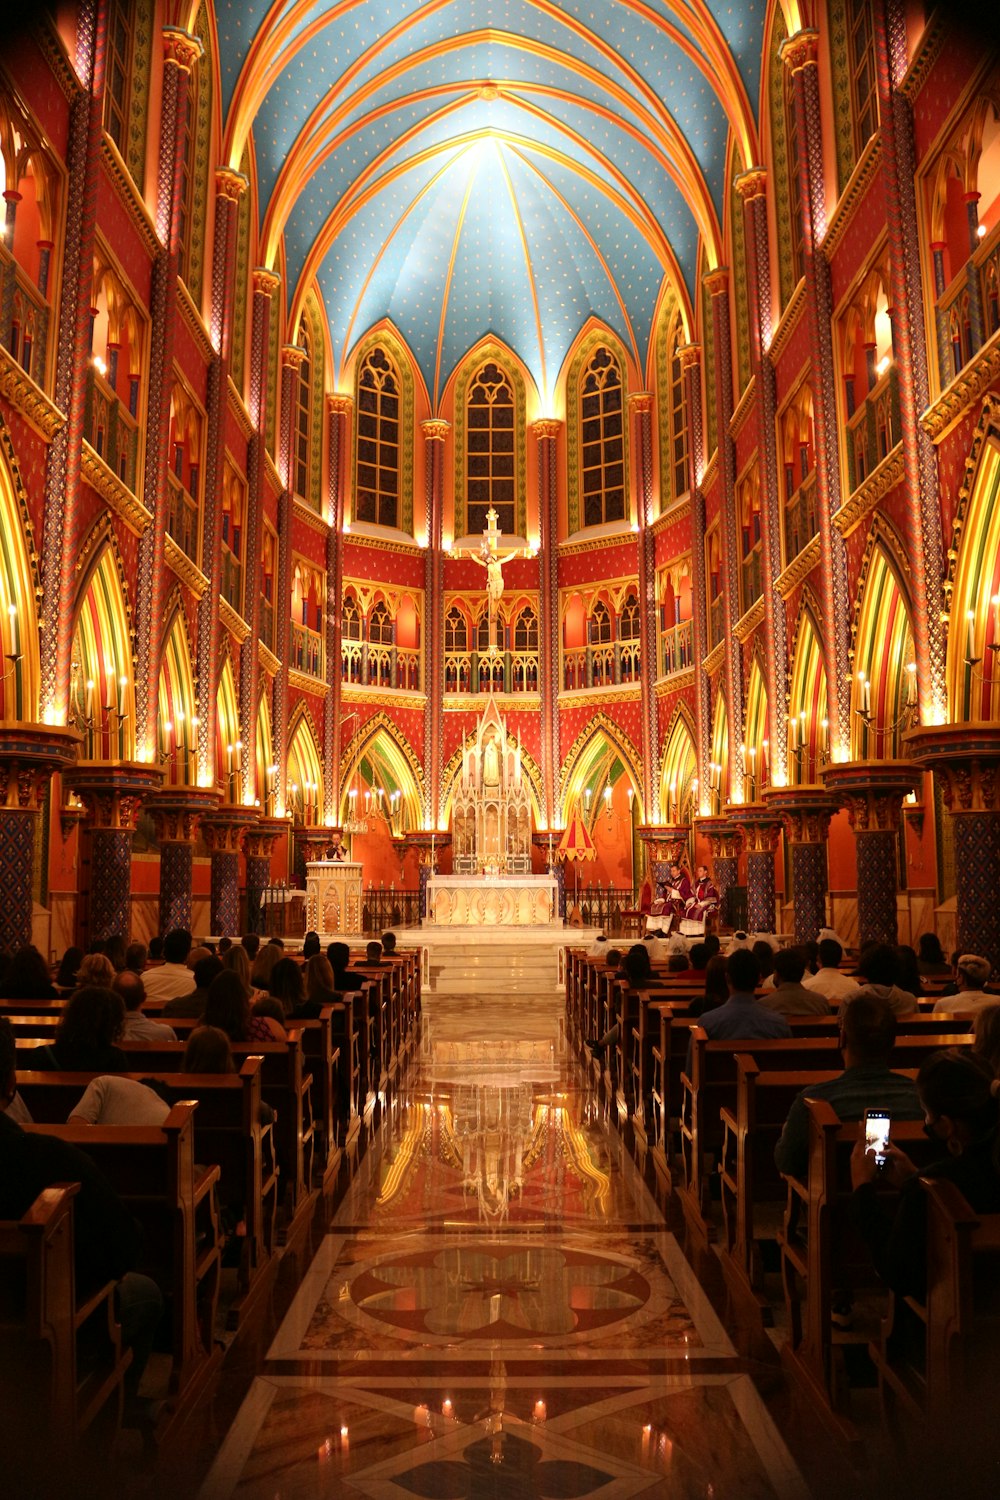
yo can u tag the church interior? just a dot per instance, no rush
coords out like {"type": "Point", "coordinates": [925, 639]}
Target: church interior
{"type": "Point", "coordinates": [470, 465]}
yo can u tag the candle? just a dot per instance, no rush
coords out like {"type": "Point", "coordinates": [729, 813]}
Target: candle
{"type": "Point", "coordinates": [90, 698]}
{"type": "Point", "coordinates": [868, 696]}
{"type": "Point", "coordinates": [763, 761]}
{"type": "Point", "coordinates": [911, 687]}
{"type": "Point", "coordinates": [791, 731]}
{"type": "Point", "coordinates": [971, 618]}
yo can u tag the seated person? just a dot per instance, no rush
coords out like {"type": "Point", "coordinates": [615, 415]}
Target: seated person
{"type": "Point", "coordinates": [716, 987]}
{"type": "Point", "coordinates": [109, 1100]}
{"type": "Point", "coordinates": [678, 894]}
{"type": "Point", "coordinates": [867, 1037]}
{"type": "Point", "coordinates": [228, 1008]}
{"type": "Point", "coordinates": [287, 986]}
{"type": "Point", "coordinates": [105, 1236]}
{"type": "Point", "coordinates": [877, 970]}
{"type": "Point", "coordinates": [764, 954]}
{"type": "Point", "coordinates": [743, 1015]}
{"type": "Point", "coordinates": [65, 981]}
{"type": "Point", "coordinates": [139, 1028]}
{"type": "Point", "coordinates": [319, 989]}
{"type": "Point", "coordinates": [88, 1037]}
{"type": "Point", "coordinates": [697, 963]}
{"type": "Point", "coordinates": [829, 980]}
{"type": "Point", "coordinates": [28, 977]}
{"type": "Point", "coordinates": [931, 960]}
{"type": "Point", "coordinates": [193, 1003]}
{"type": "Point", "coordinates": [209, 1050]}
{"type": "Point", "coordinates": [973, 972]}
{"type": "Point", "coordinates": [373, 952]}
{"type": "Point", "coordinates": [598, 947]}
{"type": "Point", "coordinates": [789, 995]}
{"type": "Point", "coordinates": [705, 894]}
{"type": "Point", "coordinates": [986, 1032]}
{"type": "Point", "coordinates": [344, 980]}
{"type": "Point", "coordinates": [310, 945]}
{"type": "Point", "coordinates": [637, 971]}
{"type": "Point", "coordinates": [388, 943]}
{"type": "Point", "coordinates": [136, 955]}
{"type": "Point", "coordinates": [173, 976]}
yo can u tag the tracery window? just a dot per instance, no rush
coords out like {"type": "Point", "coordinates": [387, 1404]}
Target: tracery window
{"type": "Point", "coordinates": [526, 631]}
{"type": "Point", "coordinates": [119, 73]}
{"type": "Point", "coordinates": [380, 626]}
{"type": "Point", "coordinates": [378, 441]}
{"type": "Point", "coordinates": [456, 631]}
{"type": "Point", "coordinates": [628, 623]}
{"type": "Point", "coordinates": [303, 405]}
{"type": "Point", "coordinates": [864, 91]}
{"type": "Point", "coordinates": [602, 447]}
{"type": "Point", "coordinates": [350, 620]}
{"type": "Point", "coordinates": [599, 624]}
{"type": "Point", "coordinates": [678, 416]}
{"type": "Point", "coordinates": [483, 633]}
{"type": "Point", "coordinates": [490, 450]}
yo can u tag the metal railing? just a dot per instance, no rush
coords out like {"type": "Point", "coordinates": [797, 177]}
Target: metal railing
{"type": "Point", "coordinates": [307, 650]}
{"type": "Point", "coordinates": [111, 430]}
{"type": "Point", "coordinates": [600, 906]}
{"type": "Point", "coordinates": [232, 580]}
{"type": "Point", "coordinates": [383, 909]}
{"type": "Point", "coordinates": [26, 337]}
{"type": "Point", "coordinates": [675, 648]}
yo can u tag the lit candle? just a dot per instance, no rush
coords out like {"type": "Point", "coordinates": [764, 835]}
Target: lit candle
{"type": "Point", "coordinates": [763, 761]}
{"type": "Point", "coordinates": [971, 619]}
{"type": "Point", "coordinates": [911, 687]}
{"type": "Point", "coordinates": [868, 696]}
{"type": "Point", "coordinates": [825, 725]}
{"type": "Point", "coordinates": [90, 698]}
{"type": "Point", "coordinates": [995, 601]}
{"type": "Point", "coordinates": [791, 731]}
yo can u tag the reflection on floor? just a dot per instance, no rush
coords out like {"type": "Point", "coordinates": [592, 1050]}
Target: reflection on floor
{"type": "Point", "coordinates": [498, 1310]}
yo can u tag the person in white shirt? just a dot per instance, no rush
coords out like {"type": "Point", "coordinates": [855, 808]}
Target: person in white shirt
{"type": "Point", "coordinates": [828, 979]}
{"type": "Point", "coordinates": [111, 1099]}
{"type": "Point", "coordinates": [172, 977]}
{"type": "Point", "coordinates": [598, 947]}
{"type": "Point", "coordinates": [972, 973]}
{"type": "Point", "coordinates": [137, 1027]}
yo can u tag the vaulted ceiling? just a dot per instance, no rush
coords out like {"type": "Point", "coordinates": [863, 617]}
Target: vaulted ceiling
{"type": "Point", "coordinates": [505, 167]}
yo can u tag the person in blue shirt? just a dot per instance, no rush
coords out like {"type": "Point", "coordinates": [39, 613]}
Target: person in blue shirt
{"type": "Point", "coordinates": [743, 1015]}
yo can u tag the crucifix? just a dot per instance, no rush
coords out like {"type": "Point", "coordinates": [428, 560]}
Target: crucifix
{"type": "Point", "coordinates": [493, 560]}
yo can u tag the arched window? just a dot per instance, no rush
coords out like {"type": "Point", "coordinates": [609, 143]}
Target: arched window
{"type": "Point", "coordinates": [861, 60]}
{"type": "Point", "coordinates": [628, 624]}
{"type": "Point", "coordinates": [599, 625]}
{"type": "Point", "coordinates": [456, 631]}
{"type": "Point", "coordinates": [377, 483]}
{"type": "Point", "coordinates": [526, 631]}
{"type": "Point", "coordinates": [118, 79]}
{"type": "Point", "coordinates": [490, 455]}
{"type": "Point", "coordinates": [602, 446]}
{"type": "Point", "coordinates": [678, 415]}
{"type": "Point", "coordinates": [483, 633]}
{"type": "Point", "coordinates": [350, 620]}
{"type": "Point", "coordinates": [303, 405]}
{"type": "Point", "coordinates": [380, 626]}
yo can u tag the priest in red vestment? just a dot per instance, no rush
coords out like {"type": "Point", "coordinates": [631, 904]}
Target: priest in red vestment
{"type": "Point", "coordinates": [705, 895]}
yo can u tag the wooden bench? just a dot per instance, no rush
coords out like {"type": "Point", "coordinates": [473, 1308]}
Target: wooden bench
{"type": "Point", "coordinates": [332, 1121]}
{"type": "Point", "coordinates": [54, 1398]}
{"type": "Point", "coordinates": [153, 1171]}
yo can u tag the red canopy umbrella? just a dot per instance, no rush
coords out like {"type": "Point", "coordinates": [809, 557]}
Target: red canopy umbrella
{"type": "Point", "coordinates": [576, 843]}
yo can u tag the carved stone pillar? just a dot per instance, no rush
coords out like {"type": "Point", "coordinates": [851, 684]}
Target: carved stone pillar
{"type": "Point", "coordinates": [690, 360]}
{"type": "Point", "coordinates": [73, 349]}
{"type": "Point", "coordinates": [873, 792]}
{"type": "Point", "coordinates": [29, 754]}
{"type": "Point", "coordinates": [805, 812]}
{"type": "Point", "coordinates": [113, 794]}
{"type": "Point", "coordinates": [292, 356]}
{"type": "Point", "coordinates": [229, 187]}
{"type": "Point", "coordinates": [180, 53]}
{"type": "Point", "coordinates": [547, 432]}
{"type": "Point", "coordinates": [258, 847]}
{"type": "Point", "coordinates": [724, 841]}
{"type": "Point", "coordinates": [799, 53]}
{"type": "Point", "coordinates": [717, 285]}
{"type": "Point", "coordinates": [665, 844]}
{"type": "Point", "coordinates": [435, 432]}
{"type": "Point", "coordinates": [641, 404]}
{"type": "Point", "coordinates": [176, 812]}
{"type": "Point", "coordinates": [265, 284]}
{"type": "Point", "coordinates": [751, 187]}
{"type": "Point", "coordinates": [966, 759]}
{"type": "Point", "coordinates": [340, 409]}
{"type": "Point", "coordinates": [761, 832]}
{"type": "Point", "coordinates": [924, 546]}
{"type": "Point", "coordinates": [223, 832]}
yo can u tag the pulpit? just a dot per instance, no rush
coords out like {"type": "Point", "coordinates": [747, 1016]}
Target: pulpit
{"type": "Point", "coordinates": [333, 895]}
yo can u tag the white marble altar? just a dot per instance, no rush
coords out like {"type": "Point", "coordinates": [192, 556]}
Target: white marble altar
{"type": "Point", "coordinates": [492, 901]}
{"type": "Point", "coordinates": [333, 895]}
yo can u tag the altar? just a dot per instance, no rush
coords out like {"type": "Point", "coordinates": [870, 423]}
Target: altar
{"type": "Point", "coordinates": [493, 900]}
{"type": "Point", "coordinates": [333, 895]}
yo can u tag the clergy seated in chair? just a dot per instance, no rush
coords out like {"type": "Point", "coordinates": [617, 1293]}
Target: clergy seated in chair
{"type": "Point", "coordinates": [705, 895]}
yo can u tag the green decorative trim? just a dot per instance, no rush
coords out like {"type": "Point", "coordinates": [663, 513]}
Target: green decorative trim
{"type": "Point", "coordinates": [138, 105]}
{"type": "Point", "coordinates": [777, 79]}
{"type": "Point", "coordinates": [840, 70]}
{"type": "Point", "coordinates": [202, 78]}
{"type": "Point", "coordinates": [708, 354]}
{"type": "Point", "coordinates": [661, 347]}
{"type": "Point", "coordinates": [317, 369]}
{"type": "Point", "coordinates": [497, 354]}
{"type": "Point", "coordinates": [402, 359]}
{"type": "Point", "coordinates": [595, 340]}
{"type": "Point", "coordinates": [237, 353]}
{"type": "Point", "coordinates": [738, 229]}
{"type": "Point", "coordinates": [273, 364]}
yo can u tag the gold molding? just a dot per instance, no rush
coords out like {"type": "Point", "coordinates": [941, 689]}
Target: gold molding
{"type": "Point", "coordinates": [111, 489]}
{"type": "Point", "coordinates": [193, 322]}
{"type": "Point", "coordinates": [679, 512]}
{"type": "Point", "coordinates": [271, 470]}
{"type": "Point", "coordinates": [713, 661]}
{"type": "Point", "coordinates": [926, 55]}
{"type": "Point", "coordinates": [598, 543]}
{"type": "Point", "coordinates": [860, 180]}
{"type": "Point", "coordinates": [674, 682]}
{"type": "Point", "coordinates": [463, 702]}
{"type": "Point", "coordinates": [238, 408]}
{"type": "Point", "coordinates": [747, 624]}
{"type": "Point", "coordinates": [867, 495]}
{"type": "Point", "coordinates": [971, 382]}
{"type": "Point", "coordinates": [267, 659]}
{"type": "Point", "coordinates": [742, 409]}
{"type": "Point", "coordinates": [28, 398]}
{"type": "Point", "coordinates": [184, 568]}
{"type": "Point", "coordinates": [788, 322]}
{"type": "Point", "coordinates": [301, 511]}
{"type": "Point", "coordinates": [382, 544]}
{"type": "Point", "coordinates": [129, 196]}
{"type": "Point", "coordinates": [710, 471]}
{"type": "Point", "coordinates": [586, 698]}
{"type": "Point", "coordinates": [302, 682]}
{"type": "Point", "coordinates": [232, 621]}
{"type": "Point", "coordinates": [799, 568]}
{"type": "Point", "coordinates": [51, 43]}
{"type": "Point", "coordinates": [357, 692]}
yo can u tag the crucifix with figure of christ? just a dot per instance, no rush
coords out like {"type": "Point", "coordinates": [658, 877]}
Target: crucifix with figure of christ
{"type": "Point", "coordinates": [490, 557]}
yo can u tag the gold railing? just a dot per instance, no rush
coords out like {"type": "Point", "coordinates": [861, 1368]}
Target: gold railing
{"type": "Point", "coordinates": [111, 430]}
{"type": "Point", "coordinates": [307, 650]}
{"type": "Point", "coordinates": [675, 648]}
{"type": "Point", "coordinates": [801, 518]}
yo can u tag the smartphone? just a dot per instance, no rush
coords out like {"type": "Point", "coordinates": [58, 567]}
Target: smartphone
{"type": "Point", "coordinates": [877, 1124]}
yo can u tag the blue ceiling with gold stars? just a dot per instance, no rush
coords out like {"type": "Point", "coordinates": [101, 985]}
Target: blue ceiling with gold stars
{"type": "Point", "coordinates": [490, 167]}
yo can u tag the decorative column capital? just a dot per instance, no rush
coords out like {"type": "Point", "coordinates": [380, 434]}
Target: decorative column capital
{"type": "Point", "coordinates": [231, 184]}
{"type": "Point", "coordinates": [800, 50]}
{"type": "Point", "coordinates": [181, 48]}
{"type": "Point", "coordinates": [724, 837]}
{"type": "Point", "coordinates": [265, 282]}
{"type": "Point", "coordinates": [640, 401]}
{"type": "Point", "coordinates": [29, 754]}
{"type": "Point", "coordinates": [546, 427]}
{"type": "Point", "coordinates": [967, 759]}
{"type": "Point", "coordinates": [435, 429]}
{"type": "Point", "coordinates": [340, 404]}
{"type": "Point", "coordinates": [177, 812]}
{"type": "Point", "coordinates": [113, 792]}
{"type": "Point", "coordinates": [260, 839]}
{"type": "Point", "coordinates": [689, 355]}
{"type": "Point", "coordinates": [751, 184]}
{"type": "Point", "coordinates": [224, 828]}
{"type": "Point", "coordinates": [716, 283]}
{"type": "Point", "coordinates": [292, 356]}
{"type": "Point", "coordinates": [760, 826]}
{"type": "Point", "coordinates": [665, 842]}
{"type": "Point", "coordinates": [805, 811]}
{"type": "Point", "coordinates": [871, 791]}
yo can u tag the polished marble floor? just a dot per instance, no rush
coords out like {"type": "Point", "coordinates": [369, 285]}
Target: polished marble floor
{"type": "Point", "coordinates": [498, 1308]}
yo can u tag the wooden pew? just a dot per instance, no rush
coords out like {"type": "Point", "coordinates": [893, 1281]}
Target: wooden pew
{"type": "Point", "coordinates": [228, 1134]}
{"type": "Point", "coordinates": [323, 1060]}
{"type": "Point", "coordinates": [54, 1403]}
{"type": "Point", "coordinates": [832, 1258]}
{"type": "Point", "coordinates": [153, 1171]}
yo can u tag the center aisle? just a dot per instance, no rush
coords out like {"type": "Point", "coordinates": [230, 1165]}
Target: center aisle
{"type": "Point", "coordinates": [498, 1310]}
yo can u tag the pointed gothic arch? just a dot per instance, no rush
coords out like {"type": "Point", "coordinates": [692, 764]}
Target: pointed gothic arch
{"type": "Point", "coordinates": [807, 708]}
{"type": "Point", "coordinates": [378, 756]}
{"type": "Point", "coordinates": [883, 684]}
{"type": "Point", "coordinates": [975, 578]}
{"type": "Point", "coordinates": [18, 580]}
{"type": "Point", "coordinates": [581, 753]}
{"type": "Point", "coordinates": [177, 720]}
{"type": "Point", "coordinates": [679, 769]}
{"type": "Point", "coordinates": [102, 697]}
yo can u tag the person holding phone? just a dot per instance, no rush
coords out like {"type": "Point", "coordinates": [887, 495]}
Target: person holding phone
{"type": "Point", "coordinates": [958, 1095]}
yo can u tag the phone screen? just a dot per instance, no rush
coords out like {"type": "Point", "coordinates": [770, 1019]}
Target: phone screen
{"type": "Point", "coordinates": [877, 1134]}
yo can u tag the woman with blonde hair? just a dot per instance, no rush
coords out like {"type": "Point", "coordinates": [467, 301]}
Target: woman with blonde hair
{"type": "Point", "coordinates": [95, 970]}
